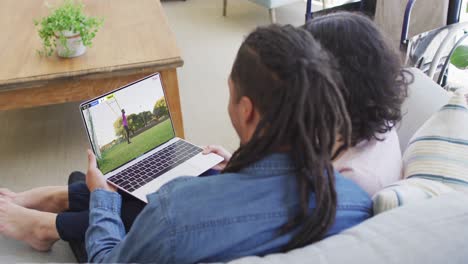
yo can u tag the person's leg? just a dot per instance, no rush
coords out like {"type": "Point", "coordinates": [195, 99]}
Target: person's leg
{"type": "Point", "coordinates": [72, 226]}
{"type": "Point", "coordinates": [210, 172]}
{"type": "Point", "coordinates": [42, 229]}
{"type": "Point", "coordinates": [31, 226]}
{"type": "Point", "coordinates": [128, 134]}
{"type": "Point", "coordinates": [131, 208]}
{"type": "Point", "coordinates": [51, 199]}
{"type": "Point", "coordinates": [78, 197]}
{"type": "Point", "coordinates": [76, 176]}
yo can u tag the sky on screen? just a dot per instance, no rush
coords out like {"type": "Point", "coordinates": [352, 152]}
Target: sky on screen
{"type": "Point", "coordinates": [134, 99]}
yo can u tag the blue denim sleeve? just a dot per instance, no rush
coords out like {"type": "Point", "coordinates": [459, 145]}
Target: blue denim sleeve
{"type": "Point", "coordinates": [151, 238]}
{"type": "Point", "coordinates": [106, 229]}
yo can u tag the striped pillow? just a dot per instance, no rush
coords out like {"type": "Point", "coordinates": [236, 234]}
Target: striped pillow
{"type": "Point", "coordinates": [435, 161]}
{"type": "Point", "coordinates": [439, 149]}
{"type": "Point", "coordinates": [407, 191]}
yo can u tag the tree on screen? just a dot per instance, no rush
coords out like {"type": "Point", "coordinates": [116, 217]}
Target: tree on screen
{"type": "Point", "coordinates": [135, 122]}
{"type": "Point", "coordinates": [147, 116]}
{"type": "Point", "coordinates": [160, 109]}
{"type": "Point", "coordinates": [118, 128]}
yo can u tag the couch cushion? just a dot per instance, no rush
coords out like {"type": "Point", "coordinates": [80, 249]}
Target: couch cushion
{"type": "Point", "coordinates": [416, 233]}
{"type": "Point", "coordinates": [425, 97]}
{"type": "Point", "coordinates": [439, 149]}
{"type": "Point", "coordinates": [436, 160]}
{"type": "Point", "coordinates": [407, 191]}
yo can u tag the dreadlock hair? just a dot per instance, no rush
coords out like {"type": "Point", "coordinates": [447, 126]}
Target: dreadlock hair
{"type": "Point", "coordinates": [295, 86]}
{"type": "Point", "coordinates": [375, 85]}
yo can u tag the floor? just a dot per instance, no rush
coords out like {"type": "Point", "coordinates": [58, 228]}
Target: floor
{"type": "Point", "coordinates": [41, 146]}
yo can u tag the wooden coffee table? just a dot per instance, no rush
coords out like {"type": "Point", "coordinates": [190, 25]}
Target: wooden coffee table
{"type": "Point", "coordinates": [134, 41]}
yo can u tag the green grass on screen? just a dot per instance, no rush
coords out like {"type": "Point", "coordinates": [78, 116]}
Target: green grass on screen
{"type": "Point", "coordinates": [123, 152]}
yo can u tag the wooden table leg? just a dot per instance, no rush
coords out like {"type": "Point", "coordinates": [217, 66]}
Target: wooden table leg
{"type": "Point", "coordinates": [171, 88]}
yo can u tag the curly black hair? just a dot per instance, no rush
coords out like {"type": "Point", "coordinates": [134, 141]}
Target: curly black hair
{"type": "Point", "coordinates": [375, 84]}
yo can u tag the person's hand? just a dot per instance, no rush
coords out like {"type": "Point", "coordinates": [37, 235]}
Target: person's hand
{"type": "Point", "coordinates": [219, 151]}
{"type": "Point", "coordinates": [94, 177]}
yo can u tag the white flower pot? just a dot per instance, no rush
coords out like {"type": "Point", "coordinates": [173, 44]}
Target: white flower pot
{"type": "Point", "coordinates": [74, 44]}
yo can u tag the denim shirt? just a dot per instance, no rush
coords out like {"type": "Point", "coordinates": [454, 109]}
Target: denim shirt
{"type": "Point", "coordinates": [212, 219]}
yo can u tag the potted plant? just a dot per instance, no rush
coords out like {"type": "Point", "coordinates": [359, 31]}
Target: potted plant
{"type": "Point", "coordinates": [460, 57]}
{"type": "Point", "coordinates": [68, 30]}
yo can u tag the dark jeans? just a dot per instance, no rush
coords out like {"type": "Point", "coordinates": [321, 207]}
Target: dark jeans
{"type": "Point", "coordinates": [72, 224]}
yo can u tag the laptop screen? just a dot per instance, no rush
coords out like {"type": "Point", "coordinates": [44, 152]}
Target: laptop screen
{"type": "Point", "coordinates": [126, 123]}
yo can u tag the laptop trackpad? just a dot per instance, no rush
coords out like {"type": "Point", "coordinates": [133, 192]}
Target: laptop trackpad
{"type": "Point", "coordinates": [184, 169]}
{"type": "Point", "coordinates": [205, 162]}
{"type": "Point", "coordinates": [192, 167]}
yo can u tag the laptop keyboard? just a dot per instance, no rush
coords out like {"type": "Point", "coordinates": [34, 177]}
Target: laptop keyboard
{"type": "Point", "coordinates": [155, 165]}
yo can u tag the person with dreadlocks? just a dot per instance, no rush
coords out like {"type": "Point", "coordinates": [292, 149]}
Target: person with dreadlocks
{"type": "Point", "coordinates": [277, 192]}
{"type": "Point", "coordinates": [375, 85]}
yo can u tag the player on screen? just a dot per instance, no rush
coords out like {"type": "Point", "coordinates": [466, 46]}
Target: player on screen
{"type": "Point", "coordinates": [125, 125]}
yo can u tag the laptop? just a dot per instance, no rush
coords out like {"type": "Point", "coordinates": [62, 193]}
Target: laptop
{"type": "Point", "coordinates": [132, 135]}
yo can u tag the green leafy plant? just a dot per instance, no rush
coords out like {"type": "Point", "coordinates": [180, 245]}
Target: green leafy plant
{"type": "Point", "coordinates": [460, 57]}
{"type": "Point", "coordinates": [67, 17]}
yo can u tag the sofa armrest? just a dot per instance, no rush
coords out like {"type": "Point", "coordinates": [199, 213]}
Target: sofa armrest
{"type": "Point", "coordinates": [425, 97]}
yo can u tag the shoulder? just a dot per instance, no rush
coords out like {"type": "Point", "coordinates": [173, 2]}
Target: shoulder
{"type": "Point", "coordinates": [373, 164]}
{"type": "Point", "coordinates": [351, 195]}
{"type": "Point", "coordinates": [368, 150]}
{"type": "Point", "coordinates": [354, 205]}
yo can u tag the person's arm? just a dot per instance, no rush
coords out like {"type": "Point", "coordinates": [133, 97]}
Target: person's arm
{"type": "Point", "coordinates": [106, 229]}
{"type": "Point", "coordinates": [150, 240]}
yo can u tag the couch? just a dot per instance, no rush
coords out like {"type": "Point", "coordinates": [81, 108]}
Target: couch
{"type": "Point", "coordinates": [429, 231]}
{"type": "Point", "coordinates": [432, 231]}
